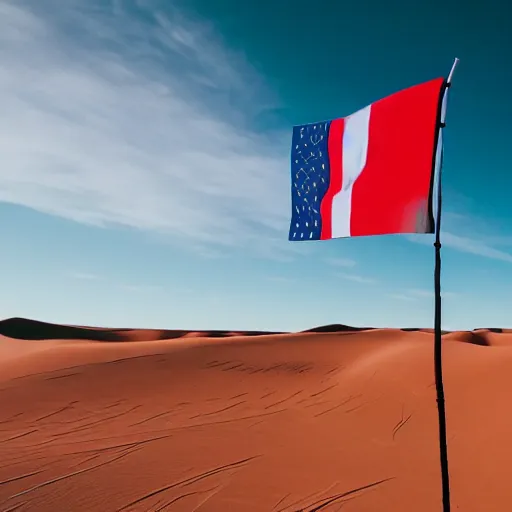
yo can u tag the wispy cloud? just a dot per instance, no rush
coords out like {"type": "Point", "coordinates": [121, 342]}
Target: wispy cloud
{"type": "Point", "coordinates": [128, 287]}
{"type": "Point", "coordinates": [418, 292]}
{"type": "Point", "coordinates": [357, 278]}
{"type": "Point", "coordinates": [402, 296]}
{"type": "Point", "coordinates": [140, 288]}
{"type": "Point", "coordinates": [469, 245]}
{"type": "Point", "coordinates": [341, 262]}
{"type": "Point", "coordinates": [121, 114]}
{"type": "Point", "coordinates": [414, 294]}
{"type": "Point", "coordinates": [84, 276]}
{"type": "Point", "coordinates": [280, 279]}
{"type": "Point", "coordinates": [479, 247]}
{"type": "Point", "coordinates": [472, 235]}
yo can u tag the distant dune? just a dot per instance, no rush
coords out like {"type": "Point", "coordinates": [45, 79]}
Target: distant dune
{"type": "Point", "coordinates": [333, 418]}
{"type": "Point", "coordinates": [22, 328]}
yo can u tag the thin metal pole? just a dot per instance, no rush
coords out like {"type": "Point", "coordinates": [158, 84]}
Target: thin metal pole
{"type": "Point", "coordinates": [438, 364]}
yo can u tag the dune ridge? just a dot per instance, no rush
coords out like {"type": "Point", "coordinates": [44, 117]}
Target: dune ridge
{"type": "Point", "coordinates": [27, 329]}
{"type": "Point", "coordinates": [23, 328]}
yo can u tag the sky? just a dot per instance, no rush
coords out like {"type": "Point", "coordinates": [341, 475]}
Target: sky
{"type": "Point", "coordinates": [145, 176]}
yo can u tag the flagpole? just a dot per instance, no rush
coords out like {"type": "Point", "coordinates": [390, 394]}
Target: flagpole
{"type": "Point", "coordinates": [438, 366]}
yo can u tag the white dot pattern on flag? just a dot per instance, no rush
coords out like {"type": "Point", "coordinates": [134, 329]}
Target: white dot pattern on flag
{"type": "Point", "coordinates": [310, 179]}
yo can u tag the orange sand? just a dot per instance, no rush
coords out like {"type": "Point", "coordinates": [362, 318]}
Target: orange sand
{"type": "Point", "coordinates": [278, 423]}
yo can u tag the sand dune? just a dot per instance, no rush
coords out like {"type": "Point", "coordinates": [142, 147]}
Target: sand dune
{"type": "Point", "coordinates": [484, 337]}
{"type": "Point", "coordinates": [275, 422]}
{"type": "Point", "coordinates": [22, 328]}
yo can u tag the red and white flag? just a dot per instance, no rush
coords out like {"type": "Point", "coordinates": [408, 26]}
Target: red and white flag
{"type": "Point", "coordinates": [372, 172]}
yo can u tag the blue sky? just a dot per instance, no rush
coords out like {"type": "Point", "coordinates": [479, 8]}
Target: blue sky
{"type": "Point", "coordinates": [144, 178]}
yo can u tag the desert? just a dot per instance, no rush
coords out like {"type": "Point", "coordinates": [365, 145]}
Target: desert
{"type": "Point", "coordinates": [337, 418]}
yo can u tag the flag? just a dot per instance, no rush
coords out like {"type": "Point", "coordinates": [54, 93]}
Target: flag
{"type": "Point", "coordinates": [371, 173]}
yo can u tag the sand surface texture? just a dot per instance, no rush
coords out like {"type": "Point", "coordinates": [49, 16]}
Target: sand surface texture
{"type": "Point", "coordinates": [127, 420]}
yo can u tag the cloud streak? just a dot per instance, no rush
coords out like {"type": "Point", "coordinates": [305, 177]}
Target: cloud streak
{"type": "Point", "coordinates": [415, 294]}
{"type": "Point", "coordinates": [402, 296]}
{"type": "Point", "coordinates": [84, 276]}
{"type": "Point", "coordinates": [356, 278]}
{"type": "Point", "coordinates": [341, 262]}
{"type": "Point", "coordinates": [111, 120]}
{"type": "Point", "coordinates": [467, 244]}
{"type": "Point", "coordinates": [473, 236]}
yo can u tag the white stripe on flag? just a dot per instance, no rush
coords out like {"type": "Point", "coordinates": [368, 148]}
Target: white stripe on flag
{"type": "Point", "coordinates": [354, 151]}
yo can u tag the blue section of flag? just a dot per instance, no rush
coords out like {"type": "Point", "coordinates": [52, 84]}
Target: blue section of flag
{"type": "Point", "coordinates": [310, 179]}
